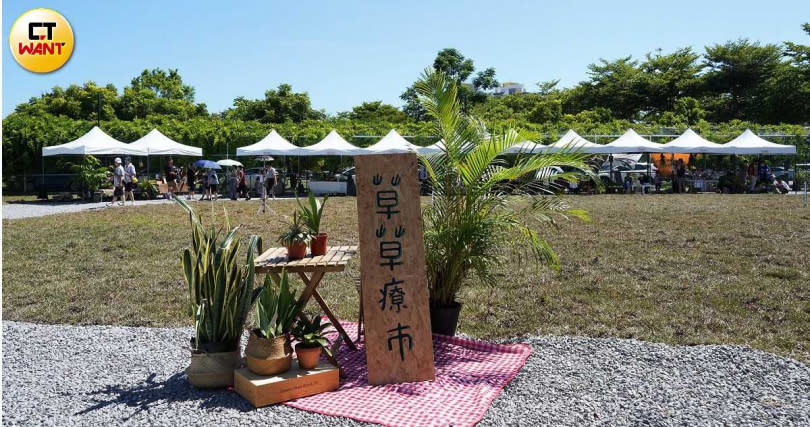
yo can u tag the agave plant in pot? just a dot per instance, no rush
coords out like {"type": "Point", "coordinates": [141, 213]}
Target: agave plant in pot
{"type": "Point", "coordinates": [295, 238]}
{"type": "Point", "coordinates": [268, 350]}
{"type": "Point", "coordinates": [221, 294]}
{"type": "Point", "coordinates": [311, 341]}
{"type": "Point", "coordinates": [471, 225]}
{"type": "Point", "coordinates": [311, 214]}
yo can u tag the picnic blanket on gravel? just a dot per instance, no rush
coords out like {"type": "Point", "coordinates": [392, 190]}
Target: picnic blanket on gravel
{"type": "Point", "coordinates": [469, 376]}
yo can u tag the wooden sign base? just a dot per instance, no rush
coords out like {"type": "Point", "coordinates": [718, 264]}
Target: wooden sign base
{"type": "Point", "coordinates": [261, 391]}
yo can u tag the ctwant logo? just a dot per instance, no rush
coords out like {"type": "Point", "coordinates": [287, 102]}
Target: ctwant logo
{"type": "Point", "coordinates": [41, 40]}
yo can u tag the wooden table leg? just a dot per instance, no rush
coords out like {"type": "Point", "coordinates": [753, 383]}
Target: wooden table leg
{"type": "Point", "coordinates": [310, 291]}
{"type": "Point", "coordinates": [335, 320]}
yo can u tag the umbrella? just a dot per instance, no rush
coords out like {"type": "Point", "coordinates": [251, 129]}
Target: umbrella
{"type": "Point", "coordinates": [206, 164]}
{"type": "Point", "coordinates": [228, 162]}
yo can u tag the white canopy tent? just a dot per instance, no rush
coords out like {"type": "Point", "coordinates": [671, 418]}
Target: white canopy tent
{"type": "Point", "coordinates": [332, 145]}
{"type": "Point", "coordinates": [750, 143]}
{"type": "Point", "coordinates": [572, 142]}
{"type": "Point", "coordinates": [525, 147]}
{"type": "Point", "coordinates": [393, 142]}
{"type": "Point", "coordinates": [157, 144]}
{"type": "Point", "coordinates": [271, 145]}
{"type": "Point", "coordinates": [94, 142]}
{"type": "Point", "coordinates": [690, 142]}
{"type": "Point", "coordinates": [434, 148]}
{"type": "Point", "coordinates": [629, 142]}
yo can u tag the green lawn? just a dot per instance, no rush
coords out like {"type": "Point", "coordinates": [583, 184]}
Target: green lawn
{"type": "Point", "coordinates": [730, 269]}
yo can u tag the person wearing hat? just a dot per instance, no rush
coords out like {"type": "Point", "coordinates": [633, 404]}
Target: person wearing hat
{"type": "Point", "coordinates": [130, 180]}
{"type": "Point", "coordinates": [118, 183]}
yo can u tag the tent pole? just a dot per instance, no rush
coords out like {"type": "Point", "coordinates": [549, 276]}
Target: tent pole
{"type": "Point", "coordinates": [42, 190]}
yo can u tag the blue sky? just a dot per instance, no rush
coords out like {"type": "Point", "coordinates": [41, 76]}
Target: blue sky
{"type": "Point", "coordinates": [345, 52]}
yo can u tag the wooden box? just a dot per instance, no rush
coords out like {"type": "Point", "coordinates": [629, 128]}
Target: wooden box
{"type": "Point", "coordinates": [261, 390]}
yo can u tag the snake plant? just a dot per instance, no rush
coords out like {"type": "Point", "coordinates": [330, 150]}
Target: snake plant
{"type": "Point", "coordinates": [311, 212]}
{"type": "Point", "coordinates": [220, 289]}
{"type": "Point", "coordinates": [276, 309]}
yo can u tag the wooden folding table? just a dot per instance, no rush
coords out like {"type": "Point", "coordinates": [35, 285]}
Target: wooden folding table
{"type": "Point", "coordinates": [311, 270]}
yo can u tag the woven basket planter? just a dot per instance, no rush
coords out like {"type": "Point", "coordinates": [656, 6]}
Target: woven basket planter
{"type": "Point", "coordinates": [268, 356]}
{"type": "Point", "coordinates": [213, 370]}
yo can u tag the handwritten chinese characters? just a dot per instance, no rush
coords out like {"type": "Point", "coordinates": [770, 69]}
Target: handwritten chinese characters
{"type": "Point", "coordinates": [399, 345]}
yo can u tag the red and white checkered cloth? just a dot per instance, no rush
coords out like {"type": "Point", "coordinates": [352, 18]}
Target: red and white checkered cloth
{"type": "Point", "coordinates": [469, 376]}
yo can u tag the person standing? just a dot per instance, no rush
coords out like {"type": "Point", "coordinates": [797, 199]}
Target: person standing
{"type": "Point", "coordinates": [263, 189]}
{"type": "Point", "coordinates": [190, 182]}
{"type": "Point", "coordinates": [232, 183]}
{"type": "Point", "coordinates": [171, 178]}
{"type": "Point", "coordinates": [129, 181]}
{"type": "Point", "coordinates": [118, 183]}
{"type": "Point", "coordinates": [241, 186]}
{"type": "Point", "coordinates": [213, 181]}
{"type": "Point", "coordinates": [657, 181]}
{"type": "Point", "coordinates": [271, 180]}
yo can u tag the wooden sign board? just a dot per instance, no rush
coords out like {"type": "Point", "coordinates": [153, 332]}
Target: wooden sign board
{"type": "Point", "coordinates": [399, 343]}
{"type": "Point", "coordinates": [260, 390]}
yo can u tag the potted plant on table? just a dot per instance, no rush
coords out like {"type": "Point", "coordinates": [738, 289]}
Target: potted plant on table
{"type": "Point", "coordinates": [311, 341]}
{"type": "Point", "coordinates": [295, 238]}
{"type": "Point", "coordinates": [311, 214]}
{"type": "Point", "coordinates": [470, 221]}
{"type": "Point", "coordinates": [268, 350]}
{"type": "Point", "coordinates": [221, 294]}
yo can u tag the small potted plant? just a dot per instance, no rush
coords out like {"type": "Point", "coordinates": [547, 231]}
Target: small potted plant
{"type": "Point", "coordinates": [295, 239]}
{"type": "Point", "coordinates": [311, 214]}
{"type": "Point", "coordinates": [311, 341]}
{"type": "Point", "coordinates": [268, 350]}
{"type": "Point", "coordinates": [219, 302]}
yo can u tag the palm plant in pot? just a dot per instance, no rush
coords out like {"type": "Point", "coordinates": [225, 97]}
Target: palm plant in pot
{"type": "Point", "coordinates": [311, 214]}
{"type": "Point", "coordinates": [471, 224]}
{"type": "Point", "coordinates": [295, 238]}
{"type": "Point", "coordinates": [221, 294]}
{"type": "Point", "coordinates": [268, 350]}
{"type": "Point", "coordinates": [311, 341]}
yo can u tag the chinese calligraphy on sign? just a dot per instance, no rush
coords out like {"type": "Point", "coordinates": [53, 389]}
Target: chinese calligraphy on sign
{"type": "Point", "coordinates": [399, 346]}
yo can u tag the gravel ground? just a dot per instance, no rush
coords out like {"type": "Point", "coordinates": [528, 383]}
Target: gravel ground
{"type": "Point", "coordinates": [97, 375]}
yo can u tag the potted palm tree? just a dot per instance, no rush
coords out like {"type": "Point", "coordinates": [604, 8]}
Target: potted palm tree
{"type": "Point", "coordinates": [311, 216]}
{"type": "Point", "coordinates": [268, 350]}
{"type": "Point", "coordinates": [295, 238]}
{"type": "Point", "coordinates": [470, 221]}
{"type": "Point", "coordinates": [220, 296]}
{"type": "Point", "coordinates": [311, 341]}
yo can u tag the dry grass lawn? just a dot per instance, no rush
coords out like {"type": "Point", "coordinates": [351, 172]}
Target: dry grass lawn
{"type": "Point", "coordinates": [721, 269]}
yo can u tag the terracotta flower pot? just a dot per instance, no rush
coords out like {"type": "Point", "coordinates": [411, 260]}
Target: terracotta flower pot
{"type": "Point", "coordinates": [318, 244]}
{"type": "Point", "coordinates": [307, 356]}
{"type": "Point", "coordinates": [297, 250]}
{"type": "Point", "coordinates": [213, 370]}
{"type": "Point", "coordinates": [268, 356]}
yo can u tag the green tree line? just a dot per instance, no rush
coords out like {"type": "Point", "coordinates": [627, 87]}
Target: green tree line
{"type": "Point", "coordinates": [732, 86]}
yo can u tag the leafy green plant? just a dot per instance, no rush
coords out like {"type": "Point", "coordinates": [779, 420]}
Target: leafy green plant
{"type": "Point", "coordinates": [311, 333]}
{"type": "Point", "coordinates": [276, 309]}
{"type": "Point", "coordinates": [312, 212]}
{"type": "Point", "coordinates": [91, 174]}
{"type": "Point", "coordinates": [470, 219]}
{"type": "Point", "coordinates": [149, 188]}
{"type": "Point", "coordinates": [220, 289]}
{"type": "Point", "coordinates": [296, 232]}
{"type": "Point", "coordinates": [803, 176]}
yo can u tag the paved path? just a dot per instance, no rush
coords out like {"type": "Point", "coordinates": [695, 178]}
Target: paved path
{"type": "Point", "coordinates": [20, 210]}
